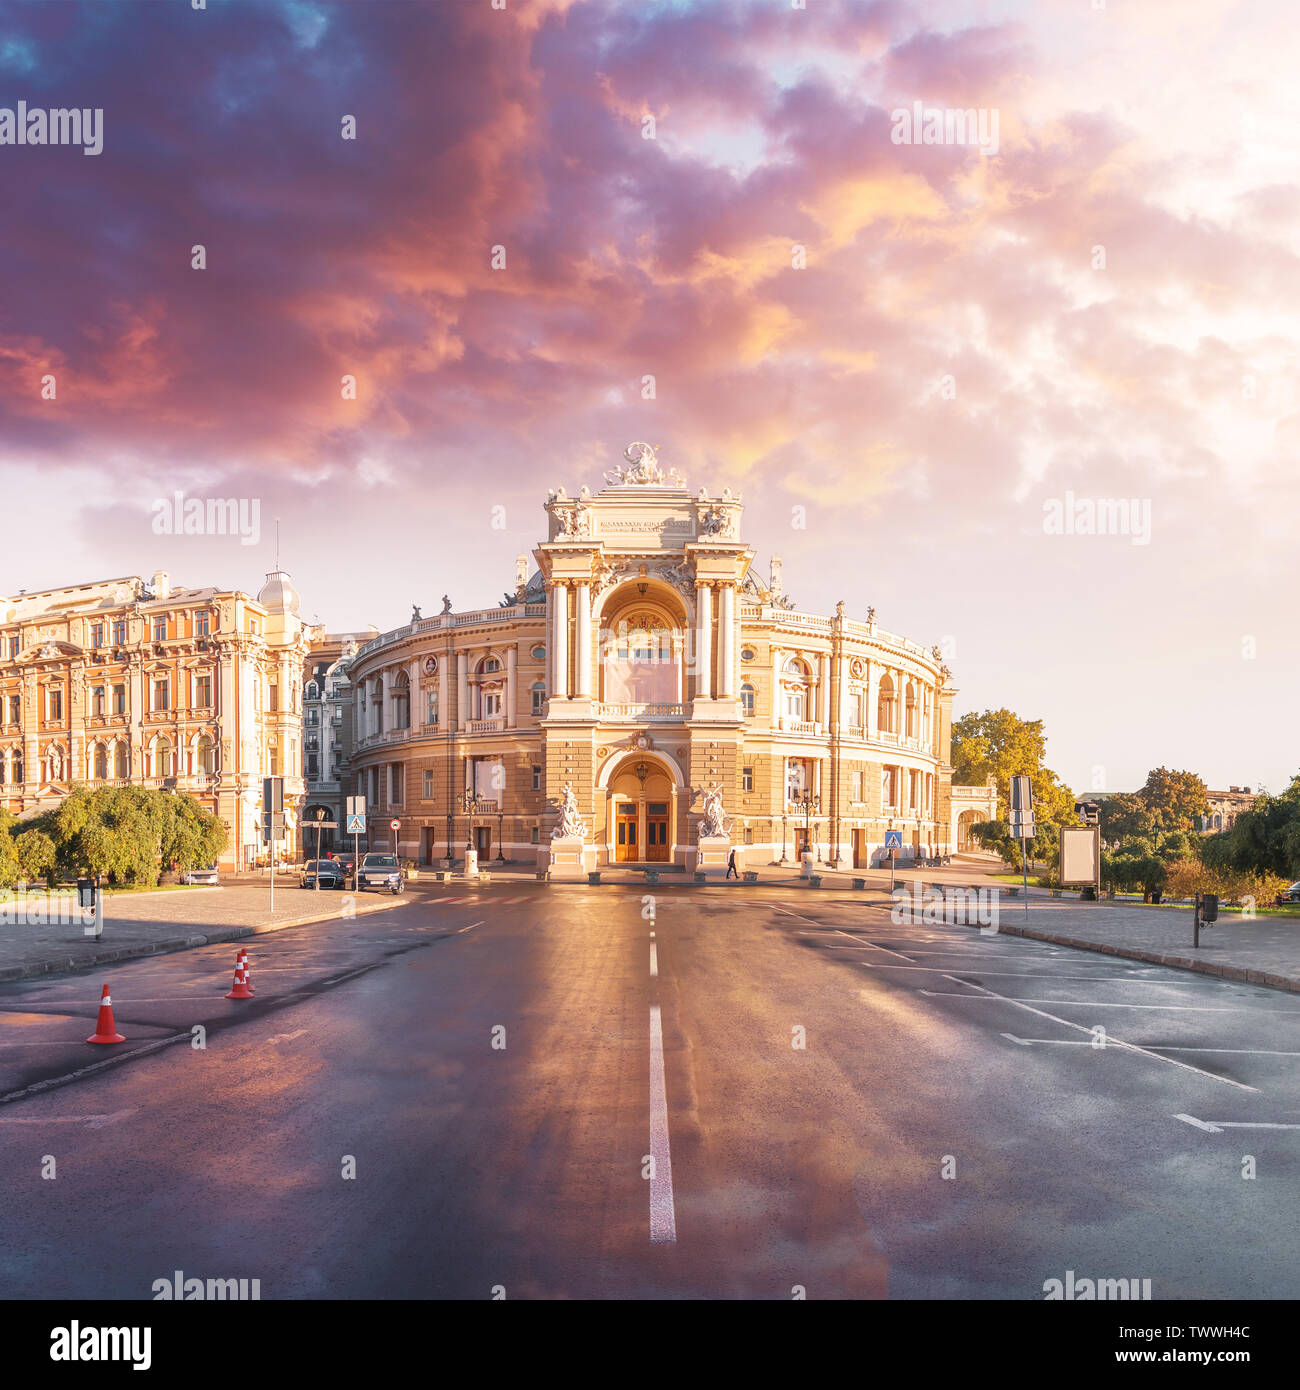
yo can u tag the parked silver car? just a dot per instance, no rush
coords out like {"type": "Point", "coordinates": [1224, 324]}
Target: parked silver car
{"type": "Point", "coordinates": [208, 875]}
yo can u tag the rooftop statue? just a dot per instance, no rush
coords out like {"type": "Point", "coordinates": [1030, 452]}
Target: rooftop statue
{"type": "Point", "coordinates": [643, 469]}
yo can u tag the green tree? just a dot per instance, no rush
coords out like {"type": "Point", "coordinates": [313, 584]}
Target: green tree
{"type": "Point", "coordinates": [1001, 745]}
{"type": "Point", "coordinates": [8, 854]}
{"type": "Point", "coordinates": [36, 856]}
{"type": "Point", "coordinates": [1176, 800]}
{"type": "Point", "coordinates": [1266, 839]}
{"type": "Point", "coordinates": [1124, 816]}
{"type": "Point", "coordinates": [192, 837]}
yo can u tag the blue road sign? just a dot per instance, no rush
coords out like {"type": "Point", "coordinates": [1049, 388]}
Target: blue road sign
{"type": "Point", "coordinates": [356, 825]}
{"type": "Point", "coordinates": [893, 839]}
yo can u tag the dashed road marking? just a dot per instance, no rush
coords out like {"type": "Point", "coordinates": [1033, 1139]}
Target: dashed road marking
{"type": "Point", "coordinates": [1218, 1126]}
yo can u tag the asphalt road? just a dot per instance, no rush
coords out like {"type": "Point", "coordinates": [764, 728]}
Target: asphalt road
{"type": "Point", "coordinates": [516, 1159]}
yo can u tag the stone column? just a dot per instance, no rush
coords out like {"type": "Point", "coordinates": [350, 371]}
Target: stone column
{"type": "Point", "coordinates": [510, 686]}
{"type": "Point", "coordinates": [776, 689]}
{"type": "Point", "coordinates": [582, 644]}
{"type": "Point", "coordinates": [727, 643]}
{"type": "Point", "coordinates": [679, 660]}
{"type": "Point", "coordinates": [823, 691]}
{"type": "Point", "coordinates": [387, 676]}
{"type": "Point", "coordinates": [560, 641]}
{"type": "Point", "coordinates": [462, 691]}
{"type": "Point", "coordinates": [444, 695]}
{"type": "Point", "coordinates": [703, 642]}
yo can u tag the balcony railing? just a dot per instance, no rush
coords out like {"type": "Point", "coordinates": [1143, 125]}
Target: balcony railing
{"type": "Point", "coordinates": [495, 725]}
{"type": "Point", "coordinates": [641, 711]}
{"type": "Point", "coordinates": [798, 726]}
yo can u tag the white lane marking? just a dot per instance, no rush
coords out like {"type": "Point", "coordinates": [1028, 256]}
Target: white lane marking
{"type": "Point", "coordinates": [90, 1121]}
{"type": "Point", "coordinates": [1227, 1051]}
{"type": "Point", "coordinates": [1108, 1004]}
{"type": "Point", "coordinates": [1218, 1126]}
{"type": "Point", "coordinates": [286, 1037]}
{"type": "Point", "coordinates": [1014, 974]}
{"type": "Point", "coordinates": [38, 1086]}
{"type": "Point", "coordinates": [859, 942]}
{"type": "Point", "coordinates": [663, 1216]}
{"type": "Point", "coordinates": [1110, 1042]}
{"type": "Point", "coordinates": [458, 930]}
{"type": "Point", "coordinates": [1200, 1124]}
{"type": "Point", "coordinates": [654, 962]}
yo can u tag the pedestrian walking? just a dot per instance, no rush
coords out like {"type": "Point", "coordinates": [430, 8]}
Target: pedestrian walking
{"type": "Point", "coordinates": [731, 865]}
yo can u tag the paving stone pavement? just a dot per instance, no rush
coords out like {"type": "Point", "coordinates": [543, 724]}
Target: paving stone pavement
{"type": "Point", "coordinates": [147, 924]}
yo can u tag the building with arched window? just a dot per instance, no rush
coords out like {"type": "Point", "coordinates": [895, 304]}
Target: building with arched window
{"type": "Point", "coordinates": [145, 682]}
{"type": "Point", "coordinates": [643, 663]}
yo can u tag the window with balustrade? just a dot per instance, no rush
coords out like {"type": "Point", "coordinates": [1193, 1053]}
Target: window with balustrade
{"type": "Point", "coordinates": [747, 699]}
{"type": "Point", "coordinates": [796, 690]}
{"type": "Point", "coordinates": [642, 648]}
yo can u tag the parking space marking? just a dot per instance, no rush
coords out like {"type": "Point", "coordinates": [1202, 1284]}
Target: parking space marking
{"type": "Point", "coordinates": [1154, 1047]}
{"type": "Point", "coordinates": [1111, 1042]}
{"type": "Point", "coordinates": [1108, 1004]}
{"type": "Point", "coordinates": [1218, 1126]}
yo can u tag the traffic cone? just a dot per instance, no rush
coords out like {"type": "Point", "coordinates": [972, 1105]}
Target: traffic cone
{"type": "Point", "coordinates": [248, 972]}
{"type": "Point", "coordinates": [105, 1028]}
{"type": "Point", "coordinates": [240, 989]}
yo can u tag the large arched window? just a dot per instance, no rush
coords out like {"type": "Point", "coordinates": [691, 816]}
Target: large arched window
{"type": "Point", "coordinates": [640, 657]}
{"type": "Point", "coordinates": [121, 763]}
{"type": "Point", "coordinates": [401, 698]}
{"type": "Point", "coordinates": [747, 698]}
{"type": "Point", "coordinates": [207, 755]}
{"type": "Point", "coordinates": [101, 762]}
{"type": "Point", "coordinates": [539, 698]}
{"type": "Point", "coordinates": [163, 762]}
{"type": "Point", "coordinates": [885, 706]}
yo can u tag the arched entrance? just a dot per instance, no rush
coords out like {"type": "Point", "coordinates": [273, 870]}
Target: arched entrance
{"type": "Point", "coordinates": [641, 810]}
{"type": "Point", "coordinates": [965, 821]}
{"type": "Point", "coordinates": [312, 814]}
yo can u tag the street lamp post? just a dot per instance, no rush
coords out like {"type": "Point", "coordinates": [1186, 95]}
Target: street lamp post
{"type": "Point", "coordinates": [783, 819]}
{"type": "Point", "coordinates": [501, 855]}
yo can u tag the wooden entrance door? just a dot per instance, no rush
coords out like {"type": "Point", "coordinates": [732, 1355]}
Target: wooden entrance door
{"type": "Point", "coordinates": [859, 849]}
{"type": "Point", "coordinates": [656, 831]}
{"type": "Point", "coordinates": [483, 841]}
{"type": "Point", "coordinates": [800, 841]}
{"type": "Point", "coordinates": [625, 846]}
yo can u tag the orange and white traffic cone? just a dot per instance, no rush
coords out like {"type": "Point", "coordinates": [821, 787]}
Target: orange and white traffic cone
{"type": "Point", "coordinates": [105, 1028]}
{"type": "Point", "coordinates": [248, 972]}
{"type": "Point", "coordinates": [240, 989]}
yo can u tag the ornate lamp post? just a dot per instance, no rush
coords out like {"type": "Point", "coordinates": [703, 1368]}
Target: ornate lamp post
{"type": "Point", "coordinates": [783, 821]}
{"type": "Point", "coordinates": [501, 817]}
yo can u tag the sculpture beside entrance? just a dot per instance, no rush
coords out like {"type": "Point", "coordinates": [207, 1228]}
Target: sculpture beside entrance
{"type": "Point", "coordinates": [713, 846]}
{"type": "Point", "coordinates": [569, 854]}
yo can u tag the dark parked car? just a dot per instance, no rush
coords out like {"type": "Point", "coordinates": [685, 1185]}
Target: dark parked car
{"type": "Point", "coordinates": [1289, 895]}
{"type": "Point", "coordinates": [381, 871]}
{"type": "Point", "coordinates": [329, 872]}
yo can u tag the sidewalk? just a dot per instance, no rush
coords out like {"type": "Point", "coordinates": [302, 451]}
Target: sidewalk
{"type": "Point", "coordinates": [150, 924]}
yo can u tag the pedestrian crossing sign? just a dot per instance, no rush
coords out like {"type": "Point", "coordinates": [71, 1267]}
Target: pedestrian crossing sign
{"type": "Point", "coordinates": [356, 825]}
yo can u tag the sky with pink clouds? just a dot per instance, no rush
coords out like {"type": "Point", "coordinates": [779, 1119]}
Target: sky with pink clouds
{"type": "Point", "coordinates": [1103, 309]}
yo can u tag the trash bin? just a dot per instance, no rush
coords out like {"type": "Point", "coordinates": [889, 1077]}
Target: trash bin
{"type": "Point", "coordinates": [86, 890]}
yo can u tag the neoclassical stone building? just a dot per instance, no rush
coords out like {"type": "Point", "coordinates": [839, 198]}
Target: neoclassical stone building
{"type": "Point", "coordinates": [133, 681]}
{"type": "Point", "coordinates": [645, 662]}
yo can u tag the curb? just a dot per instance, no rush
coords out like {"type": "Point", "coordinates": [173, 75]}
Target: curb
{"type": "Point", "coordinates": [179, 943]}
{"type": "Point", "coordinates": [1197, 967]}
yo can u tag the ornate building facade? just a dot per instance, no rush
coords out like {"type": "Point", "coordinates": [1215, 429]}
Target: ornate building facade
{"type": "Point", "coordinates": [646, 665]}
{"type": "Point", "coordinates": [127, 681]}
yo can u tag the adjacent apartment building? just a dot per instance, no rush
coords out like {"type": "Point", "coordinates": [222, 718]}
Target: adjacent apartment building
{"type": "Point", "coordinates": [133, 681]}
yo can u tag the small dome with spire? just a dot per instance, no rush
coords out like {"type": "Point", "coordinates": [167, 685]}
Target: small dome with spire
{"type": "Point", "coordinates": [278, 595]}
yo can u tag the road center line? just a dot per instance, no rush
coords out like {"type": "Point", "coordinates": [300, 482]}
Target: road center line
{"type": "Point", "coordinates": [1110, 1042]}
{"type": "Point", "coordinates": [1227, 1051]}
{"type": "Point", "coordinates": [654, 962]}
{"type": "Point", "coordinates": [663, 1216]}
